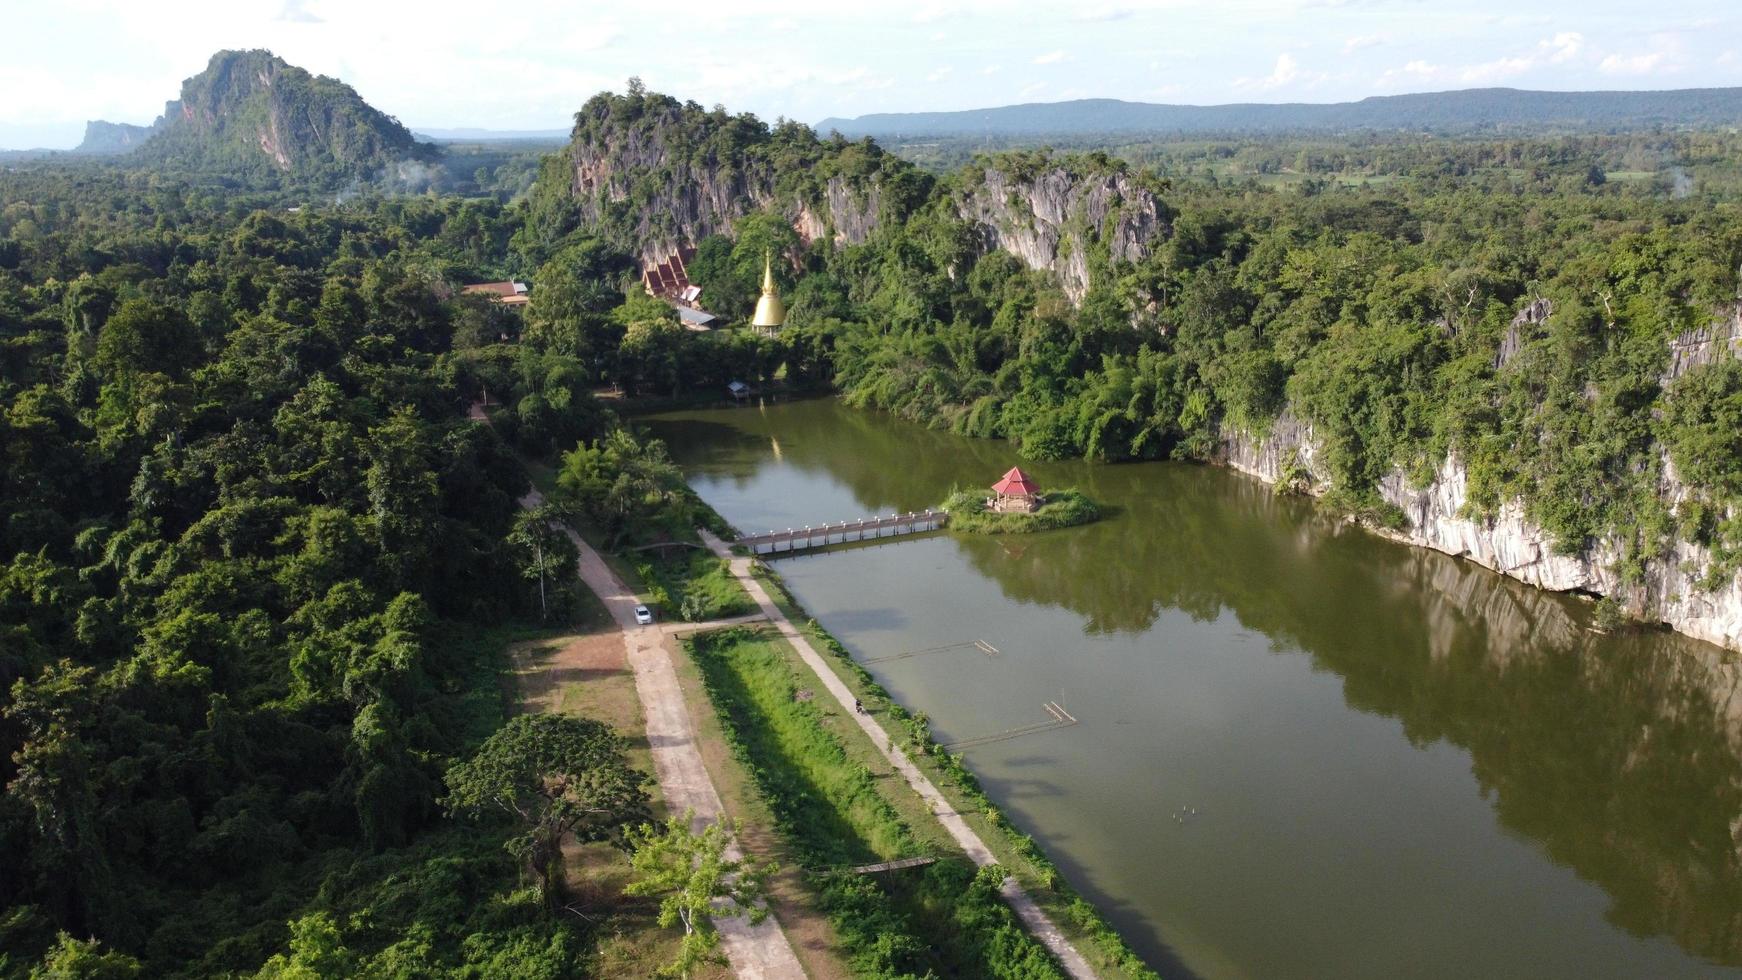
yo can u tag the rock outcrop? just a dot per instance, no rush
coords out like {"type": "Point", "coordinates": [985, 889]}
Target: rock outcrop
{"type": "Point", "coordinates": [1055, 219]}
{"type": "Point", "coordinates": [1709, 344]}
{"type": "Point", "coordinates": [680, 200]}
{"type": "Point", "coordinates": [252, 110]}
{"type": "Point", "coordinates": [653, 174]}
{"type": "Point", "coordinates": [1506, 541]}
{"type": "Point", "coordinates": [107, 138]}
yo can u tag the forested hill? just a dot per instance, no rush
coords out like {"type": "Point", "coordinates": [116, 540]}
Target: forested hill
{"type": "Point", "coordinates": [648, 173]}
{"type": "Point", "coordinates": [250, 111]}
{"type": "Point", "coordinates": [1471, 110]}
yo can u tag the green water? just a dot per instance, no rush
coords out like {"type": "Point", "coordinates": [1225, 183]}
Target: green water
{"type": "Point", "coordinates": [1401, 764]}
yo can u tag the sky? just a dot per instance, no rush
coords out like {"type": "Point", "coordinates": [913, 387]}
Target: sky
{"type": "Point", "coordinates": [531, 64]}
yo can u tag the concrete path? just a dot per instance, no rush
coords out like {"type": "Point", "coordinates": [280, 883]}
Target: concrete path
{"type": "Point", "coordinates": [679, 629]}
{"type": "Point", "coordinates": [1037, 921]}
{"type": "Point", "coordinates": [756, 952]}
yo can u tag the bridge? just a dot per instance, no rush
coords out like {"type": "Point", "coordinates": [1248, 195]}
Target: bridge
{"type": "Point", "coordinates": [863, 529]}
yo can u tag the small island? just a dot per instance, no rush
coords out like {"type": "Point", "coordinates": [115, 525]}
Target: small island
{"type": "Point", "coordinates": [1017, 506]}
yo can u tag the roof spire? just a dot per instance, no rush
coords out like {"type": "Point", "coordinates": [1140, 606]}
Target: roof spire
{"type": "Point", "coordinates": [770, 311]}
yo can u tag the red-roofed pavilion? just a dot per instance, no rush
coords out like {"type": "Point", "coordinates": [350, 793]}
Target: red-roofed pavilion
{"type": "Point", "coordinates": [1015, 492]}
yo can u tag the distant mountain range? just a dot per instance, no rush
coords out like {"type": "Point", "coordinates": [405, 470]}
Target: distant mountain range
{"type": "Point", "coordinates": [1470, 110]}
{"type": "Point", "coordinates": [476, 135]}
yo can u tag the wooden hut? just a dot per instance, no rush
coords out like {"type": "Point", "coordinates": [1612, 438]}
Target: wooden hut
{"type": "Point", "coordinates": [1015, 493]}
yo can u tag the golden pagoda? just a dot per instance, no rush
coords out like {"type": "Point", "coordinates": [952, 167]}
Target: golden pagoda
{"type": "Point", "coordinates": [770, 311]}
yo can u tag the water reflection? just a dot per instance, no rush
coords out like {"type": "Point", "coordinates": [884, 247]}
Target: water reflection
{"type": "Point", "coordinates": [1619, 757]}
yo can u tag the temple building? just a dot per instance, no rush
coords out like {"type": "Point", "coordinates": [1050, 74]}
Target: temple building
{"type": "Point", "coordinates": [506, 293]}
{"type": "Point", "coordinates": [770, 311]}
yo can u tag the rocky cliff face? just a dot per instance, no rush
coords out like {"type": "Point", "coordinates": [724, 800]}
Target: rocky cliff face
{"type": "Point", "coordinates": [251, 109]}
{"type": "Point", "coordinates": [652, 174]}
{"type": "Point", "coordinates": [1509, 543]}
{"type": "Point", "coordinates": [1709, 344]}
{"type": "Point", "coordinates": [103, 138]}
{"type": "Point", "coordinates": [1054, 220]}
{"type": "Point", "coordinates": [656, 197]}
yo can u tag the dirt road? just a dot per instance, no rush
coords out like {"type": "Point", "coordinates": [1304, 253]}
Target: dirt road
{"type": "Point", "coordinates": [756, 952]}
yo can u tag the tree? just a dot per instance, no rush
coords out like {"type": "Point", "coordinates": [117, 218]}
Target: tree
{"type": "Point", "coordinates": [624, 485]}
{"type": "Point", "coordinates": [145, 336]}
{"type": "Point", "coordinates": [543, 551]}
{"type": "Point", "coordinates": [689, 871]}
{"type": "Point", "coordinates": [557, 776]}
{"type": "Point", "coordinates": [73, 959]}
{"type": "Point", "coordinates": [316, 952]}
{"type": "Point", "coordinates": [650, 354]}
{"type": "Point", "coordinates": [571, 295]}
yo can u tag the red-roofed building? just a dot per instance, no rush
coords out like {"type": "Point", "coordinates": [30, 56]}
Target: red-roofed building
{"type": "Point", "coordinates": [669, 280]}
{"type": "Point", "coordinates": [506, 293]}
{"type": "Point", "coordinates": [1015, 492]}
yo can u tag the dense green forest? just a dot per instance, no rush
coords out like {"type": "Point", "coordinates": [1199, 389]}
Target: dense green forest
{"type": "Point", "coordinates": [259, 566]}
{"type": "Point", "coordinates": [1670, 163]}
{"type": "Point", "coordinates": [259, 569]}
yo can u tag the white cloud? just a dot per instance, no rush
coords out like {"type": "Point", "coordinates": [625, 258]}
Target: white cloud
{"type": "Point", "coordinates": [1287, 70]}
{"type": "Point", "coordinates": [1635, 64]}
{"type": "Point", "coordinates": [1664, 57]}
{"type": "Point", "coordinates": [1032, 90]}
{"type": "Point", "coordinates": [990, 70]}
{"type": "Point", "coordinates": [1050, 58]}
{"type": "Point", "coordinates": [297, 12]}
{"type": "Point", "coordinates": [1355, 44]}
{"type": "Point", "coordinates": [1563, 47]}
{"type": "Point", "coordinates": [1484, 73]}
{"type": "Point", "coordinates": [1102, 15]}
{"type": "Point", "coordinates": [940, 74]}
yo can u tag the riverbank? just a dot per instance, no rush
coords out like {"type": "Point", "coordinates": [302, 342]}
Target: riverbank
{"type": "Point", "coordinates": [1073, 929]}
{"type": "Point", "coordinates": [1667, 589]}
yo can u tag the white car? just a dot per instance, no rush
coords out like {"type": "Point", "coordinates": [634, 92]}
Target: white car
{"type": "Point", "coordinates": [643, 616]}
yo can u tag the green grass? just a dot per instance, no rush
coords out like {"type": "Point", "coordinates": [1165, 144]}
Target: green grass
{"type": "Point", "coordinates": [946, 918]}
{"type": "Point", "coordinates": [1061, 508]}
{"type": "Point", "coordinates": [694, 585]}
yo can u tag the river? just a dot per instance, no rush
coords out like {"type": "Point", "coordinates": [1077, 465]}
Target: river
{"type": "Point", "coordinates": [1304, 751]}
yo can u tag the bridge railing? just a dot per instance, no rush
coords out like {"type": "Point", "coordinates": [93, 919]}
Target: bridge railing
{"type": "Point", "coordinates": [882, 526]}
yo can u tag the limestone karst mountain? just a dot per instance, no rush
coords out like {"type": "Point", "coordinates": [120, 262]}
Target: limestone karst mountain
{"type": "Point", "coordinates": [252, 112]}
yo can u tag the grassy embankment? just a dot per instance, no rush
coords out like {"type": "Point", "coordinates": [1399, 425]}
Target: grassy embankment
{"type": "Point", "coordinates": [1016, 851]}
{"type": "Point", "coordinates": [836, 804]}
{"type": "Point", "coordinates": [1059, 508]}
